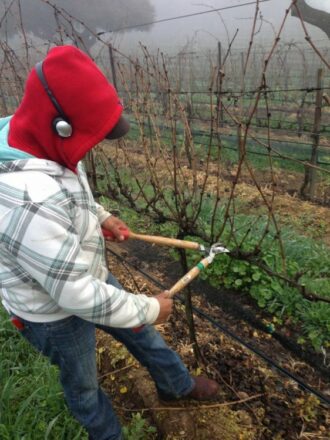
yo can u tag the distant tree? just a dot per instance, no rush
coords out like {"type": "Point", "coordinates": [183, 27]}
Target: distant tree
{"type": "Point", "coordinates": [45, 18]}
{"type": "Point", "coordinates": [316, 17]}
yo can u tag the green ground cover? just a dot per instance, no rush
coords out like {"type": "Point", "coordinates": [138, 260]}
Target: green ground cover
{"type": "Point", "coordinates": [304, 256]}
{"type": "Point", "coordinates": [31, 400]}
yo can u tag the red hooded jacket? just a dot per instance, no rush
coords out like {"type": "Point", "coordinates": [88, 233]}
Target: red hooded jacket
{"type": "Point", "coordinates": [87, 98]}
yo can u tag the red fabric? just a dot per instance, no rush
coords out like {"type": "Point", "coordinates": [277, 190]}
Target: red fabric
{"type": "Point", "coordinates": [17, 323]}
{"type": "Point", "coordinates": [86, 97]}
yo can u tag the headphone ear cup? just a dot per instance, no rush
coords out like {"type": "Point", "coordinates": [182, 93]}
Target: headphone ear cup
{"type": "Point", "coordinates": [62, 127]}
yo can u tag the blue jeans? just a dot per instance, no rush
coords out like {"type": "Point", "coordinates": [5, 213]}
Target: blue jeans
{"type": "Point", "coordinates": [70, 344]}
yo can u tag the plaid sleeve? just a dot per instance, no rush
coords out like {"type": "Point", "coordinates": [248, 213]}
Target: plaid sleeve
{"type": "Point", "coordinates": [44, 242]}
{"type": "Point", "coordinates": [102, 214]}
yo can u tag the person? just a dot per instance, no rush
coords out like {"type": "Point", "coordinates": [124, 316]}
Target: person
{"type": "Point", "coordinates": [54, 280]}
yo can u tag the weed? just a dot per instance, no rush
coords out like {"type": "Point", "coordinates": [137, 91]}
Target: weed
{"type": "Point", "coordinates": [139, 429]}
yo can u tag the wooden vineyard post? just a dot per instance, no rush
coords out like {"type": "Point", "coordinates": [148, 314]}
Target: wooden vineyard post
{"type": "Point", "coordinates": [219, 86]}
{"type": "Point", "coordinates": [316, 131]}
{"type": "Point", "coordinates": [240, 145]}
{"type": "Point", "coordinates": [113, 68]}
{"type": "Point", "coordinates": [309, 186]}
{"type": "Point", "coordinates": [240, 133]}
{"type": "Point", "coordinates": [180, 78]}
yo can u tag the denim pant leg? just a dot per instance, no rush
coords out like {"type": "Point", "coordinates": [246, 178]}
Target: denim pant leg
{"type": "Point", "coordinates": [70, 344]}
{"type": "Point", "coordinates": [172, 379]}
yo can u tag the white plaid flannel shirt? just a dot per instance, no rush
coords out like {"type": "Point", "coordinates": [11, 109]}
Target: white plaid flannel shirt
{"type": "Point", "coordinates": [52, 261]}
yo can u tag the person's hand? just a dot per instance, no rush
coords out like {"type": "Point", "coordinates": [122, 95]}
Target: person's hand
{"type": "Point", "coordinates": [116, 226]}
{"type": "Point", "coordinates": [166, 305]}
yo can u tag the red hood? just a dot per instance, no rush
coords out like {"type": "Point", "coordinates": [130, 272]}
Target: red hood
{"type": "Point", "coordinates": [87, 98]}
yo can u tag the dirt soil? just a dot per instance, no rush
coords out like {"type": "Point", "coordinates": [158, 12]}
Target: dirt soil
{"type": "Point", "coordinates": [255, 402]}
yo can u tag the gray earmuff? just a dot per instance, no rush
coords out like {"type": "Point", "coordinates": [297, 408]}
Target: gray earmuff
{"type": "Point", "coordinates": [62, 127]}
{"type": "Point", "coordinates": [60, 124]}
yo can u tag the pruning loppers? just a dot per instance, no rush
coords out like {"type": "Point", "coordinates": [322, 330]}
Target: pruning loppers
{"type": "Point", "coordinates": [211, 252]}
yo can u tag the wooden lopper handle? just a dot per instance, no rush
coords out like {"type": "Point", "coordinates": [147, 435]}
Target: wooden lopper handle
{"type": "Point", "coordinates": [165, 241]}
{"type": "Point", "coordinates": [155, 239]}
{"type": "Point", "coordinates": [191, 275]}
{"type": "Point", "coordinates": [171, 242]}
{"type": "Point", "coordinates": [184, 281]}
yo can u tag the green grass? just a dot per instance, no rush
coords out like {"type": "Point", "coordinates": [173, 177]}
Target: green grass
{"type": "Point", "coordinates": [31, 400]}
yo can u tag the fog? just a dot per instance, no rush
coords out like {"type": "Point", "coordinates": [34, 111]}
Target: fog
{"type": "Point", "coordinates": [214, 21]}
{"type": "Point", "coordinates": [203, 31]}
{"type": "Point", "coordinates": [323, 5]}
